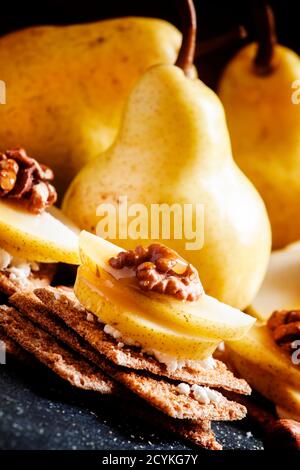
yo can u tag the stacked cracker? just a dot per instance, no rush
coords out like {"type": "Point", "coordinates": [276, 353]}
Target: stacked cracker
{"type": "Point", "coordinates": [50, 324]}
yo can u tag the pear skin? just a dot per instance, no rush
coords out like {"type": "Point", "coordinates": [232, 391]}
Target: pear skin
{"type": "Point", "coordinates": [267, 368]}
{"type": "Point", "coordinates": [66, 86]}
{"type": "Point", "coordinates": [264, 129]}
{"type": "Point", "coordinates": [47, 238]}
{"type": "Point", "coordinates": [173, 147]}
{"type": "Point", "coordinates": [271, 386]}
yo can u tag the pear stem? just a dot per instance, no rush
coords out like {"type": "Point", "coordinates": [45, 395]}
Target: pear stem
{"type": "Point", "coordinates": [221, 42]}
{"type": "Point", "coordinates": [267, 39]}
{"type": "Point", "coordinates": [186, 54]}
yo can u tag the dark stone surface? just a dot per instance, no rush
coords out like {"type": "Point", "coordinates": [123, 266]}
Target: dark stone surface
{"type": "Point", "coordinates": [39, 411]}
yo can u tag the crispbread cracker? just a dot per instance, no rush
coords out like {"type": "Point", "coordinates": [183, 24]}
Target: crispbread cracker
{"type": "Point", "coordinates": [46, 349]}
{"type": "Point", "coordinates": [199, 433]}
{"type": "Point", "coordinates": [28, 304]}
{"type": "Point", "coordinates": [9, 285]}
{"type": "Point", "coordinates": [156, 391]}
{"type": "Point", "coordinates": [75, 316]}
{"type": "Point", "coordinates": [165, 396]}
{"type": "Point", "coordinates": [13, 349]}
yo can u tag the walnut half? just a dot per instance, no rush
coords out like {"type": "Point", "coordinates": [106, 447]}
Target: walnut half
{"type": "Point", "coordinates": [285, 328]}
{"type": "Point", "coordinates": [160, 269]}
{"type": "Point", "coordinates": [25, 180]}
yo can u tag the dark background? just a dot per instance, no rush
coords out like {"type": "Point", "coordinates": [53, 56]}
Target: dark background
{"type": "Point", "coordinates": [214, 18]}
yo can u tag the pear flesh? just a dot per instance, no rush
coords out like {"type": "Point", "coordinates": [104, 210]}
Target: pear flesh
{"type": "Point", "coordinates": [42, 238]}
{"type": "Point", "coordinates": [264, 128]}
{"type": "Point", "coordinates": [267, 369]}
{"type": "Point", "coordinates": [173, 147]}
{"type": "Point", "coordinates": [67, 85]}
{"type": "Point", "coordinates": [190, 330]}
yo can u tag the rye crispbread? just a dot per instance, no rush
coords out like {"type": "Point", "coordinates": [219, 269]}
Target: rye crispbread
{"type": "Point", "coordinates": [199, 433]}
{"type": "Point", "coordinates": [13, 349]}
{"type": "Point", "coordinates": [46, 349]}
{"type": "Point", "coordinates": [156, 391]}
{"type": "Point", "coordinates": [10, 284]}
{"type": "Point", "coordinates": [67, 308]}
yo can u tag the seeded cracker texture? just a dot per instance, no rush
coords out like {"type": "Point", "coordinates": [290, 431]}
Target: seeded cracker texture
{"type": "Point", "coordinates": [68, 309]}
{"type": "Point", "coordinates": [47, 350]}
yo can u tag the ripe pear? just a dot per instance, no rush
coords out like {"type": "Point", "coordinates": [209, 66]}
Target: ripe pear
{"type": "Point", "coordinates": [66, 86]}
{"type": "Point", "coordinates": [264, 128]}
{"type": "Point", "coordinates": [173, 146]}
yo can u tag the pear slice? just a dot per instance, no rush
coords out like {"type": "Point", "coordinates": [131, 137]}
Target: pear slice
{"type": "Point", "coordinates": [281, 286]}
{"type": "Point", "coordinates": [127, 317]}
{"type": "Point", "coordinates": [258, 350]}
{"type": "Point", "coordinates": [206, 317]}
{"type": "Point", "coordinates": [42, 238]}
{"type": "Point", "coordinates": [272, 386]}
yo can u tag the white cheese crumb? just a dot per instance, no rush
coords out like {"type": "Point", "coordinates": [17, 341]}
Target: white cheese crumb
{"type": "Point", "coordinates": [116, 334]}
{"type": "Point", "coordinates": [172, 363]}
{"type": "Point", "coordinates": [110, 330]}
{"type": "Point", "coordinates": [18, 269]}
{"type": "Point", "coordinates": [200, 394]}
{"type": "Point", "coordinates": [120, 345]}
{"type": "Point", "coordinates": [206, 395]}
{"type": "Point", "coordinates": [184, 389]}
{"type": "Point", "coordinates": [90, 317]}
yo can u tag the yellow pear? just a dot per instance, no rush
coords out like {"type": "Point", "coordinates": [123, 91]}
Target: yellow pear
{"type": "Point", "coordinates": [66, 85]}
{"type": "Point", "coordinates": [267, 369]}
{"type": "Point", "coordinates": [264, 128]}
{"type": "Point", "coordinates": [280, 289]}
{"type": "Point", "coordinates": [173, 147]}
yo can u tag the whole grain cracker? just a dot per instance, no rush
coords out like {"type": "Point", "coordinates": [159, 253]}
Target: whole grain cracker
{"type": "Point", "coordinates": [158, 392]}
{"type": "Point", "coordinates": [46, 349]}
{"type": "Point", "coordinates": [66, 307]}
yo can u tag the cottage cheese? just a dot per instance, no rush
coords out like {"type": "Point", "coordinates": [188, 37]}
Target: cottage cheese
{"type": "Point", "coordinates": [203, 395]}
{"type": "Point", "coordinates": [172, 363]}
{"type": "Point", "coordinates": [18, 268]}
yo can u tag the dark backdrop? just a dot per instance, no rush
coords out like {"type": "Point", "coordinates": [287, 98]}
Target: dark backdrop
{"type": "Point", "coordinates": [214, 18]}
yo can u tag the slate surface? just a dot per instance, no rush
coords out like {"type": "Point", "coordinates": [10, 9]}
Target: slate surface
{"type": "Point", "coordinates": [39, 411]}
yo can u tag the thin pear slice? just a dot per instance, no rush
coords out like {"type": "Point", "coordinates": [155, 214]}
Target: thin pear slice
{"type": "Point", "coordinates": [41, 238]}
{"type": "Point", "coordinates": [272, 386]}
{"type": "Point", "coordinates": [207, 317]}
{"type": "Point", "coordinates": [258, 349]}
{"type": "Point", "coordinates": [126, 317]}
{"type": "Point", "coordinates": [281, 286]}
